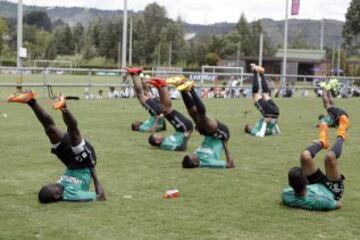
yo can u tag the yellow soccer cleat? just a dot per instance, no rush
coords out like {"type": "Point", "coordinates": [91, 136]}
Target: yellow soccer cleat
{"type": "Point", "coordinates": [23, 97]}
{"type": "Point", "coordinates": [176, 81]}
{"type": "Point", "coordinates": [186, 87]}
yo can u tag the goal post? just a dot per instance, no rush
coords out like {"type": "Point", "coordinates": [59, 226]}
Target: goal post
{"type": "Point", "coordinates": [218, 74]}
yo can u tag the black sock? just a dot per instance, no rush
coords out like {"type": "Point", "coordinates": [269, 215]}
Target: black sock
{"type": "Point", "coordinates": [31, 102]}
{"type": "Point", "coordinates": [200, 107]}
{"type": "Point", "coordinates": [255, 84]}
{"type": "Point", "coordinates": [337, 147]}
{"type": "Point", "coordinates": [264, 84]}
{"type": "Point", "coordinates": [187, 99]}
{"type": "Point", "coordinates": [314, 149]}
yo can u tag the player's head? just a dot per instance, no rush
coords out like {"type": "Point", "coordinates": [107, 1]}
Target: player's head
{"type": "Point", "coordinates": [135, 126]}
{"type": "Point", "coordinates": [297, 179]}
{"type": "Point", "coordinates": [321, 116]}
{"type": "Point", "coordinates": [51, 193]}
{"type": "Point", "coordinates": [248, 128]}
{"type": "Point", "coordinates": [190, 161]}
{"type": "Point", "coordinates": [156, 139]}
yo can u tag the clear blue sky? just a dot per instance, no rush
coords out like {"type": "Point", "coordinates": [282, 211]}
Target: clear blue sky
{"type": "Point", "coordinates": [211, 11]}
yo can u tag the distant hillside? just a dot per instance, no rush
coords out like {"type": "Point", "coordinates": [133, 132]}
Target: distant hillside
{"type": "Point", "coordinates": [274, 29]}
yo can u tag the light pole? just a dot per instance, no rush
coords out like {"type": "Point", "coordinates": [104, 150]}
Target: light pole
{"type": "Point", "coordinates": [19, 42]}
{"type": "Point", "coordinates": [124, 42]}
{"type": "Point", "coordinates": [283, 78]}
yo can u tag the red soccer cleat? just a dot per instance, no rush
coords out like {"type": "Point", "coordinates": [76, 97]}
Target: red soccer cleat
{"type": "Point", "coordinates": [157, 82]}
{"type": "Point", "coordinates": [134, 70]}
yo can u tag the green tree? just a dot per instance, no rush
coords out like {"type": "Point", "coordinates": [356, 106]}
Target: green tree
{"type": "Point", "coordinates": [155, 20]}
{"type": "Point", "coordinates": [351, 30]}
{"type": "Point", "coordinates": [78, 31]}
{"type": "Point", "coordinates": [39, 19]}
{"type": "Point", "coordinates": [299, 42]}
{"type": "Point", "coordinates": [4, 31]}
{"type": "Point", "coordinates": [63, 40]}
{"type": "Point", "coordinates": [212, 59]}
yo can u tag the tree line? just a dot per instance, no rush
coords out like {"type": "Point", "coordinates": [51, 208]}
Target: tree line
{"type": "Point", "coordinates": [153, 36]}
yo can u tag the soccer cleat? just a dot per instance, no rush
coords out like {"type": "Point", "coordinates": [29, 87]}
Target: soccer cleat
{"type": "Point", "coordinates": [134, 70]}
{"type": "Point", "coordinates": [157, 82]}
{"type": "Point", "coordinates": [176, 81]}
{"type": "Point", "coordinates": [324, 135]}
{"type": "Point", "coordinates": [344, 123]}
{"type": "Point", "coordinates": [333, 84]}
{"type": "Point", "coordinates": [60, 103]}
{"type": "Point", "coordinates": [23, 97]}
{"type": "Point", "coordinates": [186, 87]}
{"type": "Point", "coordinates": [257, 69]}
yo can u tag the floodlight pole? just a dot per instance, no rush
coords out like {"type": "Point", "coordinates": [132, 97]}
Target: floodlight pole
{"type": "Point", "coordinates": [124, 42]}
{"type": "Point", "coordinates": [283, 78]}
{"type": "Point", "coordinates": [322, 34]}
{"type": "Point", "coordinates": [261, 49]}
{"type": "Point", "coordinates": [170, 53]}
{"type": "Point", "coordinates": [19, 41]}
{"type": "Point", "coordinates": [130, 41]}
{"type": "Point", "coordinates": [338, 61]}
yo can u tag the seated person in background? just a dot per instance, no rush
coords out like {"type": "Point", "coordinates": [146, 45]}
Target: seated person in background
{"type": "Point", "coordinates": [113, 93]}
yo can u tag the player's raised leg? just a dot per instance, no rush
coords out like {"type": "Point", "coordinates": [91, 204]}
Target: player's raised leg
{"type": "Point", "coordinates": [54, 134]}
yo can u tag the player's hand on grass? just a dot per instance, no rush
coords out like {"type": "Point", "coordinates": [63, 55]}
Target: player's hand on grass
{"type": "Point", "coordinates": [230, 163]}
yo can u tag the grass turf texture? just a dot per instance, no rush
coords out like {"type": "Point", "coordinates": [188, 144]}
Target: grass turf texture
{"type": "Point", "coordinates": [241, 203]}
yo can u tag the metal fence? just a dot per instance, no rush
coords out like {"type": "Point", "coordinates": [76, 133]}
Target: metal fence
{"type": "Point", "coordinates": [11, 77]}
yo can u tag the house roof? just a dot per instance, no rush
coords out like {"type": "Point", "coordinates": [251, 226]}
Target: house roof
{"type": "Point", "coordinates": [303, 54]}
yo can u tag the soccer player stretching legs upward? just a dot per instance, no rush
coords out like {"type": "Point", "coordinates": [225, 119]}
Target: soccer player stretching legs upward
{"type": "Point", "coordinates": [72, 149]}
{"type": "Point", "coordinates": [216, 133]}
{"type": "Point", "coordinates": [268, 123]}
{"type": "Point", "coordinates": [333, 113]}
{"type": "Point", "coordinates": [183, 126]}
{"type": "Point", "coordinates": [156, 122]}
{"type": "Point", "coordinates": [309, 187]}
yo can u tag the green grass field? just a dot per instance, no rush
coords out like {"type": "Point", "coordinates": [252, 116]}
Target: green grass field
{"type": "Point", "coordinates": [241, 203]}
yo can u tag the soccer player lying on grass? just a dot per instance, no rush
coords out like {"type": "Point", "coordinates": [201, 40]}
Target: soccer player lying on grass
{"type": "Point", "coordinates": [333, 113]}
{"type": "Point", "coordinates": [268, 123]}
{"type": "Point", "coordinates": [72, 149]}
{"type": "Point", "coordinates": [309, 187]}
{"type": "Point", "coordinates": [156, 122]}
{"type": "Point", "coordinates": [216, 133]}
{"type": "Point", "coordinates": [183, 126]}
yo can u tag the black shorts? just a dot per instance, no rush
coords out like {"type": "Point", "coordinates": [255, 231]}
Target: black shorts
{"type": "Point", "coordinates": [267, 108]}
{"type": "Point", "coordinates": [335, 113]}
{"type": "Point", "coordinates": [153, 106]}
{"type": "Point", "coordinates": [336, 187]}
{"type": "Point", "coordinates": [179, 122]}
{"type": "Point", "coordinates": [85, 159]}
{"type": "Point", "coordinates": [222, 132]}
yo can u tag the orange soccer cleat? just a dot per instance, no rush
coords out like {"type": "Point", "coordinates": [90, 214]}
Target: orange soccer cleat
{"type": "Point", "coordinates": [344, 123]}
{"type": "Point", "coordinates": [60, 103]}
{"type": "Point", "coordinates": [22, 97]}
{"type": "Point", "coordinates": [324, 135]}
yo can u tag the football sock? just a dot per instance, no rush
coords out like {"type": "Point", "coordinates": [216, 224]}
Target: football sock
{"type": "Point", "coordinates": [199, 104]}
{"type": "Point", "coordinates": [314, 149]}
{"type": "Point", "coordinates": [255, 83]}
{"type": "Point", "coordinates": [337, 147]}
{"type": "Point", "coordinates": [187, 99]}
{"type": "Point", "coordinates": [264, 84]}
